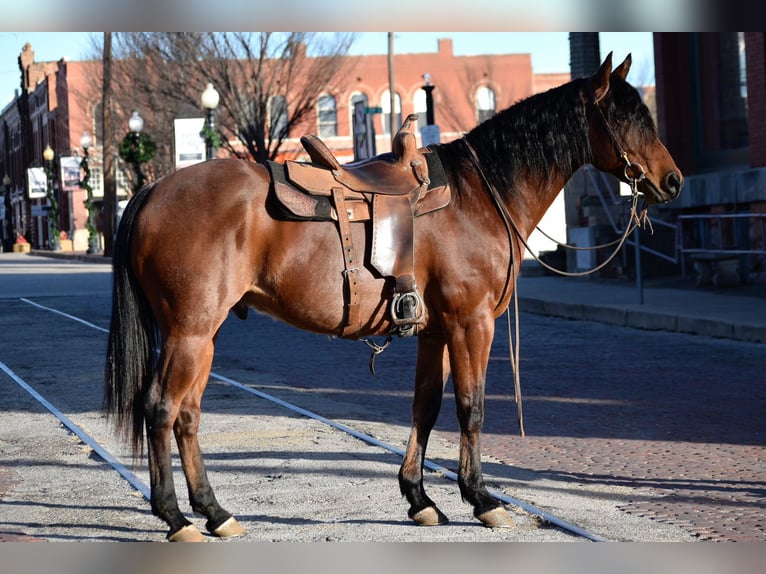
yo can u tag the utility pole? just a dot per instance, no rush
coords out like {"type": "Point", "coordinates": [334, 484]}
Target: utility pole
{"type": "Point", "coordinates": [107, 146]}
{"type": "Point", "coordinates": [391, 88]}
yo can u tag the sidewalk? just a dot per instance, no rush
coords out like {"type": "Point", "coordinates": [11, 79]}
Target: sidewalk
{"type": "Point", "coordinates": [669, 304]}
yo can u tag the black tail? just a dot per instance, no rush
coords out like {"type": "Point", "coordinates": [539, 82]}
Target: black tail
{"type": "Point", "coordinates": [131, 356]}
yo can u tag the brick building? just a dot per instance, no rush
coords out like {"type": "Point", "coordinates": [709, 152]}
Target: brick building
{"type": "Point", "coordinates": [711, 101]}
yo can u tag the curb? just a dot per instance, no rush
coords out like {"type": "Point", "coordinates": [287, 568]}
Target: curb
{"type": "Point", "coordinates": [72, 256]}
{"type": "Point", "coordinates": [647, 320]}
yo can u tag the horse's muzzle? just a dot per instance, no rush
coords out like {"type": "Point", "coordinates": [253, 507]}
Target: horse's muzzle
{"type": "Point", "coordinates": [672, 184]}
{"type": "Point", "coordinates": [668, 190]}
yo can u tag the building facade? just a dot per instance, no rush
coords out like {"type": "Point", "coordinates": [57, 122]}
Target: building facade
{"type": "Point", "coordinates": [711, 98]}
{"type": "Point", "coordinates": [710, 103]}
{"type": "Point", "coordinates": [58, 102]}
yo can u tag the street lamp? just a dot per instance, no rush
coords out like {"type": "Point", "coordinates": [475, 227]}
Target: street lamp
{"type": "Point", "coordinates": [136, 124]}
{"type": "Point", "coordinates": [210, 98]}
{"type": "Point", "coordinates": [53, 213]}
{"type": "Point", "coordinates": [428, 88]}
{"type": "Point", "coordinates": [137, 148]}
{"type": "Point", "coordinates": [93, 238]}
{"type": "Point", "coordinates": [7, 213]}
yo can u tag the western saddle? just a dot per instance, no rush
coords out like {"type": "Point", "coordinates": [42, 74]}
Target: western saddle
{"type": "Point", "coordinates": [390, 189]}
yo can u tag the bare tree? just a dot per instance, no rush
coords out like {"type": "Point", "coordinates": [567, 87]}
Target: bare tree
{"type": "Point", "coordinates": [268, 83]}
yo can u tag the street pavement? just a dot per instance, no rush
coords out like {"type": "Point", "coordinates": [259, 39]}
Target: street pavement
{"type": "Point", "coordinates": [670, 304]}
{"type": "Point", "coordinates": [704, 472]}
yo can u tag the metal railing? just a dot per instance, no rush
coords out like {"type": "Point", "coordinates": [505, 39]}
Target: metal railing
{"type": "Point", "coordinates": [709, 235]}
{"type": "Point", "coordinates": [721, 235]}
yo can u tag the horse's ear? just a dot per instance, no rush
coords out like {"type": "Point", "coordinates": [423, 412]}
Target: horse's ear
{"type": "Point", "coordinates": [623, 69]}
{"type": "Point", "coordinates": [600, 82]}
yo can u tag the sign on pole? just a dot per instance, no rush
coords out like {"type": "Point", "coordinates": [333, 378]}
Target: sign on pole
{"type": "Point", "coordinates": [37, 182]}
{"type": "Point", "coordinates": [70, 172]}
{"type": "Point", "coordinates": [189, 145]}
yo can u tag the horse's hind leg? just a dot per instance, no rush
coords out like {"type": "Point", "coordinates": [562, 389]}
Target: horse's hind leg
{"type": "Point", "coordinates": [431, 374]}
{"type": "Point", "coordinates": [220, 522]}
{"type": "Point", "coordinates": [182, 362]}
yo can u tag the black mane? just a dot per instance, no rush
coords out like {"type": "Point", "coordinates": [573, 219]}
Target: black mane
{"type": "Point", "coordinates": [544, 133]}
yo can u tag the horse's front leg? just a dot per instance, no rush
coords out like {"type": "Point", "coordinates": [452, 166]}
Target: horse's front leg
{"type": "Point", "coordinates": [430, 376]}
{"type": "Point", "coordinates": [469, 346]}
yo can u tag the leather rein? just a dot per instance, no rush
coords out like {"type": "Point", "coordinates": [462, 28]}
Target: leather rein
{"type": "Point", "coordinates": [512, 230]}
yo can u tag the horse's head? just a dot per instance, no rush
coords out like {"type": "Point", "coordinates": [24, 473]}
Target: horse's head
{"type": "Point", "coordinates": [623, 136]}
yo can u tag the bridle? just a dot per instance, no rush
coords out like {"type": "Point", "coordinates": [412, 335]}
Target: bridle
{"type": "Point", "coordinates": [621, 153]}
{"type": "Point", "coordinates": [635, 218]}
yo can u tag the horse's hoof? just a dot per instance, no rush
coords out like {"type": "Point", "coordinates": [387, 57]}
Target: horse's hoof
{"type": "Point", "coordinates": [188, 533]}
{"type": "Point", "coordinates": [497, 518]}
{"type": "Point", "coordinates": [229, 529]}
{"type": "Point", "coordinates": [430, 516]}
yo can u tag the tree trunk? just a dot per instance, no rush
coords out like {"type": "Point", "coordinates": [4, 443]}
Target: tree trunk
{"type": "Point", "coordinates": [110, 182]}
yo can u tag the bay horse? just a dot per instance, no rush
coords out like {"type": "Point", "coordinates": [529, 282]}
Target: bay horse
{"type": "Point", "coordinates": [201, 242]}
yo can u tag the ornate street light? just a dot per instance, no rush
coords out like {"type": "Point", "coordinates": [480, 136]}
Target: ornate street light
{"type": "Point", "coordinates": [136, 125]}
{"type": "Point", "coordinates": [53, 214]}
{"type": "Point", "coordinates": [137, 148]}
{"type": "Point", "coordinates": [94, 242]}
{"type": "Point", "coordinates": [210, 98]}
{"type": "Point", "coordinates": [6, 222]}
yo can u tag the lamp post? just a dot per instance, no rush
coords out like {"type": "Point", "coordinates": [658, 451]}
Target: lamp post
{"type": "Point", "coordinates": [136, 125]}
{"type": "Point", "coordinates": [428, 88]}
{"type": "Point", "coordinates": [429, 133]}
{"type": "Point", "coordinates": [7, 239]}
{"type": "Point", "coordinates": [210, 98]}
{"type": "Point", "coordinates": [53, 212]}
{"type": "Point", "coordinates": [94, 244]}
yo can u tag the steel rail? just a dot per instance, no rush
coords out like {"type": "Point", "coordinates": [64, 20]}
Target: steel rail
{"type": "Point", "coordinates": [136, 482]}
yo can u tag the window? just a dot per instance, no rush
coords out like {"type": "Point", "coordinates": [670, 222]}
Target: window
{"type": "Point", "coordinates": [722, 130]}
{"type": "Point", "coordinates": [278, 117]}
{"type": "Point", "coordinates": [96, 180]}
{"type": "Point", "coordinates": [328, 116]}
{"type": "Point", "coordinates": [485, 104]}
{"type": "Point", "coordinates": [385, 104]}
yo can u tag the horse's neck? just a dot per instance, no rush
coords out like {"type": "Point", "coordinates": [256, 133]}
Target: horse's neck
{"type": "Point", "coordinates": [532, 200]}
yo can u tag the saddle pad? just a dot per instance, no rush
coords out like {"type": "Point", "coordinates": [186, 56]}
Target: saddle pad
{"type": "Point", "coordinates": [297, 205]}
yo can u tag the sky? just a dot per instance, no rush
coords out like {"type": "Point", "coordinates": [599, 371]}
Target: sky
{"type": "Point", "coordinates": [549, 50]}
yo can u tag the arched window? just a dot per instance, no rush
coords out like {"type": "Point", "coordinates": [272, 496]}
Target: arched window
{"type": "Point", "coordinates": [385, 104]}
{"type": "Point", "coordinates": [327, 116]}
{"type": "Point", "coordinates": [278, 116]}
{"type": "Point", "coordinates": [485, 104]}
